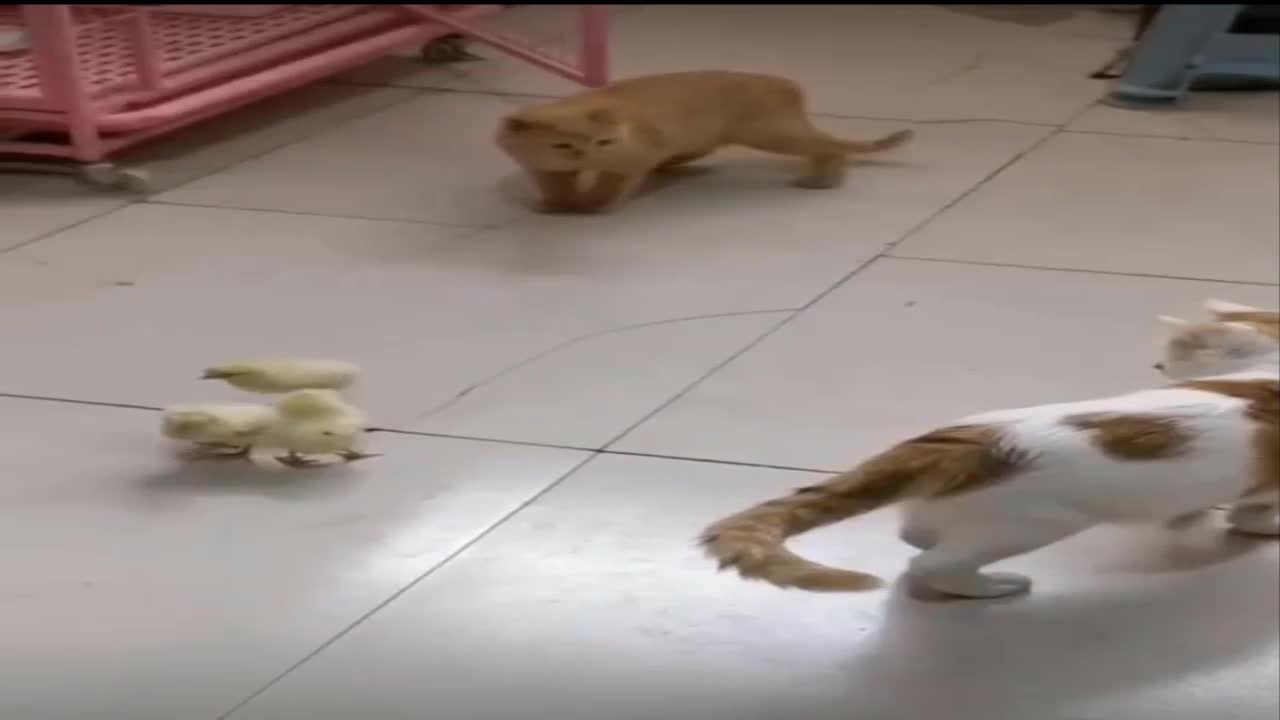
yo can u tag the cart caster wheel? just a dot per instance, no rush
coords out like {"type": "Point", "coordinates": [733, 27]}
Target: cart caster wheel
{"type": "Point", "coordinates": [447, 49]}
{"type": "Point", "coordinates": [106, 176]}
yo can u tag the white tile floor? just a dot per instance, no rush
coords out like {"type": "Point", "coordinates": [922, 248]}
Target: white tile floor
{"type": "Point", "coordinates": [717, 325]}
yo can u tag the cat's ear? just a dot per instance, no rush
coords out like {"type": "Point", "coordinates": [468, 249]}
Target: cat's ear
{"type": "Point", "coordinates": [1173, 322]}
{"type": "Point", "coordinates": [603, 116]}
{"type": "Point", "coordinates": [1220, 308]}
{"type": "Point", "coordinates": [517, 125]}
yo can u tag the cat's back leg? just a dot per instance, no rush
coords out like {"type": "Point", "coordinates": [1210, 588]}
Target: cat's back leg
{"type": "Point", "coordinates": [794, 135]}
{"type": "Point", "coordinates": [1256, 516]}
{"type": "Point", "coordinates": [917, 528]}
{"type": "Point", "coordinates": [970, 543]}
{"type": "Point", "coordinates": [682, 159]}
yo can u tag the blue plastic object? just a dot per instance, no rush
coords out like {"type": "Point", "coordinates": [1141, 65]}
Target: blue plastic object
{"type": "Point", "coordinates": [1189, 46]}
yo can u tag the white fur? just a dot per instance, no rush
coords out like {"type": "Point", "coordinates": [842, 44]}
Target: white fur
{"type": "Point", "coordinates": [1225, 307]}
{"type": "Point", "coordinates": [1071, 485]}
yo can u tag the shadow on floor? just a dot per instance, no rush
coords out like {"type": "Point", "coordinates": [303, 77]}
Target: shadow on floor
{"type": "Point", "coordinates": [194, 479]}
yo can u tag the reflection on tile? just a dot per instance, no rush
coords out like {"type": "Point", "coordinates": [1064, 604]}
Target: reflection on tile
{"type": "Point", "coordinates": [1122, 204]}
{"type": "Point", "coordinates": [852, 58]}
{"type": "Point", "coordinates": [1242, 116]}
{"type": "Point", "coordinates": [161, 591]}
{"type": "Point", "coordinates": [908, 345]}
{"type": "Point", "coordinates": [600, 582]}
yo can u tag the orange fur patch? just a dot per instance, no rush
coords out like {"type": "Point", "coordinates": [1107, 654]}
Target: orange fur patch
{"type": "Point", "coordinates": [939, 464]}
{"type": "Point", "coordinates": [1263, 398]}
{"type": "Point", "coordinates": [1133, 437]}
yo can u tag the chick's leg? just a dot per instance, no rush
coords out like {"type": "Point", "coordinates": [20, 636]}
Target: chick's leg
{"type": "Point", "coordinates": [354, 455]}
{"type": "Point", "coordinates": [221, 451]}
{"type": "Point", "coordinates": [294, 460]}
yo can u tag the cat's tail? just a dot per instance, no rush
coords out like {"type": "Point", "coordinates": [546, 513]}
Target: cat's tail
{"type": "Point", "coordinates": [888, 142]}
{"type": "Point", "coordinates": [752, 541]}
{"type": "Point", "coordinates": [942, 463]}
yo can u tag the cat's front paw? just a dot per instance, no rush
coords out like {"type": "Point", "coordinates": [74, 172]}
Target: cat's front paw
{"type": "Point", "coordinates": [976, 585]}
{"type": "Point", "coordinates": [569, 208]}
{"type": "Point", "coordinates": [1255, 519]}
{"type": "Point", "coordinates": [1255, 523]}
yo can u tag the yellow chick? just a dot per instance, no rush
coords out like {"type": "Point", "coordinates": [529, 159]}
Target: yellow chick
{"type": "Point", "coordinates": [282, 375]}
{"type": "Point", "coordinates": [222, 429]}
{"type": "Point", "coordinates": [316, 422]}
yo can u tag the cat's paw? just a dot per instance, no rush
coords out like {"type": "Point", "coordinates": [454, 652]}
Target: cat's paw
{"type": "Point", "coordinates": [819, 182]}
{"type": "Point", "coordinates": [549, 208]}
{"type": "Point", "coordinates": [1259, 521]}
{"type": "Point", "coordinates": [580, 207]}
{"type": "Point", "coordinates": [977, 585]}
{"type": "Point", "coordinates": [919, 538]}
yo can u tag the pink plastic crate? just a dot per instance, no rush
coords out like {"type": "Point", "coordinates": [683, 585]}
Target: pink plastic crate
{"type": "Point", "coordinates": [107, 76]}
{"type": "Point", "coordinates": [213, 10]}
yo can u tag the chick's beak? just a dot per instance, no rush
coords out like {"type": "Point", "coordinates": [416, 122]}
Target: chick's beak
{"type": "Point", "coordinates": [212, 374]}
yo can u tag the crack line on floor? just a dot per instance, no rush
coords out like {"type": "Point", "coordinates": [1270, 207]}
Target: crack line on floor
{"type": "Point", "coordinates": [565, 344]}
{"type": "Point", "coordinates": [825, 293]}
{"type": "Point", "coordinates": [973, 64]}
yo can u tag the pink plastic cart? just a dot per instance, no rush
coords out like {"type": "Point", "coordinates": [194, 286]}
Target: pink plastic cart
{"type": "Point", "coordinates": [80, 82]}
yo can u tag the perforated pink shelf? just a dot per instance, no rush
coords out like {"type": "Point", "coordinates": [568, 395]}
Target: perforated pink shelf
{"type": "Point", "coordinates": [108, 76]}
{"type": "Point", "coordinates": [182, 41]}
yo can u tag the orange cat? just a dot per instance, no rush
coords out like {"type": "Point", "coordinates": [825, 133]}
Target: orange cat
{"type": "Point", "coordinates": [623, 132]}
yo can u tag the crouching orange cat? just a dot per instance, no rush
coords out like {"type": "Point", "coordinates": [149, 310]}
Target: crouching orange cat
{"type": "Point", "coordinates": [621, 133]}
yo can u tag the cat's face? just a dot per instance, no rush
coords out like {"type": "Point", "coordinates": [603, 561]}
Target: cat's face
{"type": "Point", "coordinates": [1204, 349]}
{"type": "Point", "coordinates": [582, 141]}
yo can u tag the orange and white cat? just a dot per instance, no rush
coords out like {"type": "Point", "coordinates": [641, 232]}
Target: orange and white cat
{"type": "Point", "coordinates": [590, 152]}
{"type": "Point", "coordinates": [1004, 483]}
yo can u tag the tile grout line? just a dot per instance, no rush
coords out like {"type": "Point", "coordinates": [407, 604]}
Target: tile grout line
{"type": "Point", "coordinates": [310, 213]}
{"type": "Point", "coordinates": [1085, 271]}
{"type": "Point", "coordinates": [825, 293]}
{"type": "Point", "coordinates": [64, 228]}
{"type": "Point", "coordinates": [146, 199]}
{"type": "Point", "coordinates": [294, 141]}
{"type": "Point", "coordinates": [451, 436]}
{"type": "Point", "coordinates": [513, 94]}
{"type": "Point", "coordinates": [603, 451]}
{"type": "Point", "coordinates": [1063, 127]}
{"type": "Point", "coordinates": [1182, 138]}
{"type": "Point", "coordinates": [379, 606]}
{"type": "Point", "coordinates": [73, 401]}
